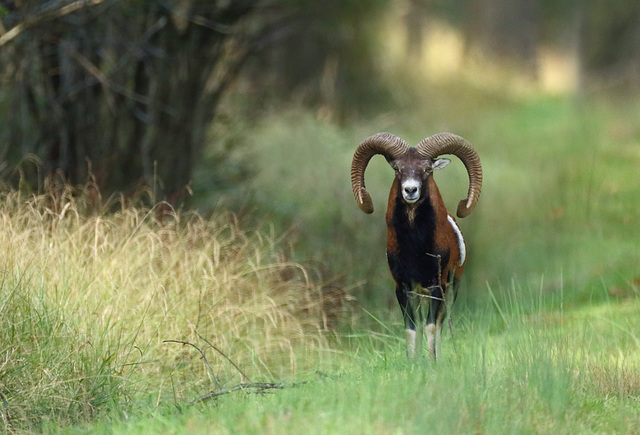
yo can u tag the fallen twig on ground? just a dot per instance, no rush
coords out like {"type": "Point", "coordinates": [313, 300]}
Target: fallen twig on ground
{"type": "Point", "coordinates": [250, 388]}
{"type": "Point", "coordinates": [247, 387]}
{"type": "Point", "coordinates": [215, 378]}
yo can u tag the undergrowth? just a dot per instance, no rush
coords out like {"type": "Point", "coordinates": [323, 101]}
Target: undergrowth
{"type": "Point", "coordinates": [89, 298]}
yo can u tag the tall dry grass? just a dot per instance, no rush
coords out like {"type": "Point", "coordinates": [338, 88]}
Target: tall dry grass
{"type": "Point", "coordinates": [88, 298]}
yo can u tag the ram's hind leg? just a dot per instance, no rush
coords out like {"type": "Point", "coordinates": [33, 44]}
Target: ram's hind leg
{"type": "Point", "coordinates": [442, 300]}
{"type": "Point", "coordinates": [435, 316]}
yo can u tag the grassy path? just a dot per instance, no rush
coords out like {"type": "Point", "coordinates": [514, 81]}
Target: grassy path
{"type": "Point", "coordinates": [545, 372]}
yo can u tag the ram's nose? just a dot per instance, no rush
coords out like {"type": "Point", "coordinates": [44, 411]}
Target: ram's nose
{"type": "Point", "coordinates": [411, 191]}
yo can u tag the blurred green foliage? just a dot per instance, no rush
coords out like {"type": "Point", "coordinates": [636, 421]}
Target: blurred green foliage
{"type": "Point", "coordinates": [125, 93]}
{"type": "Point", "coordinates": [557, 210]}
{"type": "Point", "coordinates": [266, 127]}
{"type": "Point", "coordinates": [265, 123]}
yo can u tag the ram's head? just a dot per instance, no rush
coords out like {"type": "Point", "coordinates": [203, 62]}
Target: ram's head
{"type": "Point", "coordinates": [414, 165]}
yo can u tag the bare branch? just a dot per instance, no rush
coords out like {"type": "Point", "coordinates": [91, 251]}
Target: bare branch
{"type": "Point", "coordinates": [225, 356]}
{"type": "Point", "coordinates": [44, 16]}
{"type": "Point", "coordinates": [96, 73]}
{"type": "Point", "coordinates": [253, 387]}
{"type": "Point", "coordinates": [215, 378]}
{"type": "Point", "coordinates": [247, 387]}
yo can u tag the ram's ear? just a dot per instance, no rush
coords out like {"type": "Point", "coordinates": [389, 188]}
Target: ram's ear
{"type": "Point", "coordinates": [440, 164]}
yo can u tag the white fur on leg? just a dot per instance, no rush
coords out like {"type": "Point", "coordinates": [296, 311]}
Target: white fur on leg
{"type": "Point", "coordinates": [431, 340]}
{"type": "Point", "coordinates": [419, 338]}
{"type": "Point", "coordinates": [410, 337]}
{"type": "Point", "coordinates": [438, 339]}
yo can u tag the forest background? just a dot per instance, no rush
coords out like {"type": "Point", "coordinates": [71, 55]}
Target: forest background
{"type": "Point", "coordinates": [165, 154]}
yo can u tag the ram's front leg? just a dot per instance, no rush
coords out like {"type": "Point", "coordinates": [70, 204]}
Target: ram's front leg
{"type": "Point", "coordinates": [410, 304]}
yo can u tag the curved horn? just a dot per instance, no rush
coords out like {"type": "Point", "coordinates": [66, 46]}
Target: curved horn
{"type": "Point", "coordinates": [388, 145]}
{"type": "Point", "coordinates": [448, 143]}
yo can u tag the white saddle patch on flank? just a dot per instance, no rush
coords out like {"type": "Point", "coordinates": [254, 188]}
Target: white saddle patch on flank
{"type": "Point", "coordinates": [461, 245]}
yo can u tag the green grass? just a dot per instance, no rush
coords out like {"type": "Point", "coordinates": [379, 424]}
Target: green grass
{"type": "Point", "coordinates": [541, 373]}
{"type": "Point", "coordinates": [546, 329]}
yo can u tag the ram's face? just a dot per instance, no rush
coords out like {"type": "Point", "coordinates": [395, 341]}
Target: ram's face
{"type": "Point", "coordinates": [412, 172]}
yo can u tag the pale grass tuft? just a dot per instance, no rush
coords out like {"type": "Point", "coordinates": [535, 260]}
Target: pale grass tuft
{"type": "Point", "coordinates": [88, 298]}
{"type": "Point", "coordinates": [616, 377]}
